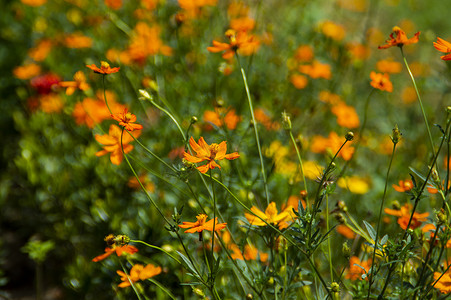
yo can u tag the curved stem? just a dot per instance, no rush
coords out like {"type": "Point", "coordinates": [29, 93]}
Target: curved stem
{"type": "Point", "coordinates": [158, 248]}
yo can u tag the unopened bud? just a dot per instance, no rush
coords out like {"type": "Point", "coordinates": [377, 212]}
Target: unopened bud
{"type": "Point", "coordinates": [396, 135]}
{"type": "Point", "coordinates": [286, 121]}
{"type": "Point", "coordinates": [122, 239]}
{"type": "Point", "coordinates": [349, 136]}
{"type": "Point", "coordinates": [340, 218]}
{"type": "Point", "coordinates": [334, 287]}
{"type": "Point", "coordinates": [249, 296]}
{"type": "Point", "coordinates": [441, 217]}
{"type": "Point", "coordinates": [194, 119]}
{"type": "Point", "coordinates": [346, 250]}
{"type": "Point", "coordinates": [144, 95]}
{"type": "Point", "coordinates": [342, 206]}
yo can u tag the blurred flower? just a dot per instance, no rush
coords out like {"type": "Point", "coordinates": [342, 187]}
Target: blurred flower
{"type": "Point", "coordinates": [408, 95]}
{"type": "Point", "coordinates": [355, 268]}
{"type": "Point", "coordinates": [127, 119]}
{"type": "Point", "coordinates": [51, 103]}
{"type": "Point", "coordinates": [262, 117]}
{"type": "Point", "coordinates": [209, 153]}
{"type": "Point", "coordinates": [443, 46]}
{"type": "Point", "coordinates": [27, 71]}
{"type": "Point", "coordinates": [403, 215]}
{"type": "Point", "coordinates": [353, 5]}
{"type": "Point", "coordinates": [381, 82]}
{"type": "Point", "coordinates": [200, 225]}
{"type": "Point", "coordinates": [299, 81]}
{"type": "Point", "coordinates": [404, 186]}
{"type": "Point", "coordinates": [241, 41]}
{"type": "Point", "coordinates": [148, 185]}
{"type": "Point", "coordinates": [42, 49]}
{"type": "Point", "coordinates": [192, 7]}
{"type": "Point", "coordinates": [346, 115]}
{"type": "Point", "coordinates": [388, 66]}
{"type": "Point", "coordinates": [33, 3]}
{"type": "Point", "coordinates": [270, 215]}
{"type": "Point", "coordinates": [104, 69]}
{"type": "Point", "coordinates": [312, 170]}
{"type": "Point", "coordinates": [221, 116]}
{"type": "Point", "coordinates": [112, 143]}
{"type": "Point", "coordinates": [119, 250]}
{"type": "Point", "coordinates": [328, 97]}
{"type": "Point", "coordinates": [113, 4]}
{"type": "Point", "coordinates": [77, 41]}
{"type": "Point", "coordinates": [400, 39]}
{"type": "Point", "coordinates": [333, 30]}
{"type": "Point", "coordinates": [78, 83]}
{"type": "Point", "coordinates": [250, 253]}
{"type": "Point", "coordinates": [176, 152]}
{"type": "Point", "coordinates": [354, 184]}
{"type": "Point", "coordinates": [304, 53]}
{"type": "Point", "coordinates": [358, 51]}
{"type": "Point", "coordinates": [444, 284]}
{"type": "Point", "coordinates": [45, 84]}
{"type": "Point", "coordinates": [242, 24]}
{"type": "Point", "coordinates": [333, 143]}
{"type": "Point", "coordinates": [346, 231]}
{"type": "Point", "coordinates": [316, 70]}
{"type": "Point", "coordinates": [138, 272]}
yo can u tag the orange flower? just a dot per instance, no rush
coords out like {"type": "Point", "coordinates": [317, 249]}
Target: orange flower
{"type": "Point", "coordinates": [299, 81]}
{"type": "Point", "coordinates": [119, 250]}
{"type": "Point", "coordinates": [127, 119]}
{"type": "Point", "coordinates": [346, 115]}
{"type": "Point", "coordinates": [138, 272]}
{"type": "Point", "coordinates": [113, 4]}
{"type": "Point", "coordinates": [346, 231]}
{"type": "Point", "coordinates": [355, 271]}
{"type": "Point", "coordinates": [33, 3]}
{"type": "Point", "coordinates": [200, 225]}
{"type": "Point", "coordinates": [112, 143]}
{"type": "Point", "coordinates": [400, 39]}
{"type": "Point", "coordinates": [404, 186]}
{"type": "Point", "coordinates": [389, 66]}
{"type": "Point", "coordinates": [444, 284]}
{"type": "Point", "coordinates": [219, 117]}
{"type": "Point", "coordinates": [77, 41]}
{"type": "Point", "coordinates": [333, 30]}
{"type": "Point", "coordinates": [304, 53]}
{"type": "Point", "coordinates": [403, 215]}
{"type": "Point", "coordinates": [381, 81]}
{"type": "Point", "coordinates": [270, 215]}
{"type": "Point", "coordinates": [316, 70]}
{"type": "Point", "coordinates": [262, 117]}
{"type": "Point", "coordinates": [41, 51]}
{"type": "Point", "coordinates": [51, 103]}
{"type": "Point", "coordinates": [27, 71]}
{"type": "Point", "coordinates": [209, 153]}
{"type": "Point", "coordinates": [250, 253]}
{"type": "Point", "coordinates": [333, 143]}
{"type": "Point", "coordinates": [104, 69]}
{"type": "Point", "coordinates": [241, 41]}
{"type": "Point", "coordinates": [78, 83]}
{"type": "Point", "coordinates": [242, 24]}
{"type": "Point", "coordinates": [443, 46]}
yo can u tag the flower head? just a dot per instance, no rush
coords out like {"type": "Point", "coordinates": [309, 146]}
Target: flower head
{"type": "Point", "coordinates": [400, 39]}
{"type": "Point", "coordinates": [200, 225]}
{"type": "Point", "coordinates": [404, 186]}
{"type": "Point", "coordinates": [381, 82]}
{"type": "Point", "coordinates": [357, 268]}
{"type": "Point", "coordinates": [112, 143]}
{"type": "Point", "coordinates": [271, 215]}
{"type": "Point", "coordinates": [119, 250]}
{"type": "Point", "coordinates": [79, 83]}
{"type": "Point", "coordinates": [443, 46]}
{"type": "Point", "coordinates": [241, 41]}
{"type": "Point", "coordinates": [138, 272]}
{"type": "Point", "coordinates": [403, 215]}
{"type": "Point", "coordinates": [104, 69]}
{"type": "Point", "coordinates": [127, 119]}
{"type": "Point", "coordinates": [444, 283]}
{"type": "Point", "coordinates": [209, 153]}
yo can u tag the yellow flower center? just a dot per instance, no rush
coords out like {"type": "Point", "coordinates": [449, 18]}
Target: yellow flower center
{"type": "Point", "coordinates": [127, 116]}
{"type": "Point", "coordinates": [104, 65]}
{"type": "Point", "coordinates": [201, 219]}
{"type": "Point", "coordinates": [214, 148]}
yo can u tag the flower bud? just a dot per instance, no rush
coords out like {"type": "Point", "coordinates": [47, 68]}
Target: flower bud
{"type": "Point", "coordinates": [194, 119]}
{"type": "Point", "coordinates": [349, 136]}
{"type": "Point", "coordinates": [286, 121]}
{"type": "Point", "coordinates": [334, 287]}
{"type": "Point", "coordinates": [346, 250]}
{"type": "Point", "coordinates": [144, 95]}
{"type": "Point", "coordinates": [396, 135]}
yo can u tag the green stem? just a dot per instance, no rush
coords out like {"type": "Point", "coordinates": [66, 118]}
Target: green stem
{"type": "Point", "coordinates": [158, 248]}
{"type": "Point", "coordinates": [129, 280]}
{"type": "Point", "coordinates": [371, 277]}
{"type": "Point", "coordinates": [104, 94]}
{"type": "Point", "coordinates": [328, 240]}
{"type": "Point", "coordinates": [170, 116]}
{"type": "Point", "coordinates": [167, 292]}
{"type": "Point", "coordinates": [419, 101]}
{"type": "Point", "coordinates": [254, 121]}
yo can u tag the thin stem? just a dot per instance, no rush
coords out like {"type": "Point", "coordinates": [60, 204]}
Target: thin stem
{"type": "Point", "coordinates": [168, 292]}
{"type": "Point", "coordinates": [254, 121]}
{"type": "Point", "coordinates": [129, 280]}
{"type": "Point", "coordinates": [328, 240]}
{"type": "Point", "coordinates": [214, 225]}
{"type": "Point", "coordinates": [302, 167]}
{"type": "Point", "coordinates": [170, 116]}
{"type": "Point", "coordinates": [158, 248]}
{"type": "Point", "coordinates": [379, 221]}
{"type": "Point", "coordinates": [419, 101]}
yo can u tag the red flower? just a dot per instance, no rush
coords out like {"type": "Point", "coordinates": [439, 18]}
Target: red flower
{"type": "Point", "coordinates": [104, 69]}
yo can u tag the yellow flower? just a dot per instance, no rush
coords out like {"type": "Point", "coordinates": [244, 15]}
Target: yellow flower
{"type": "Point", "coordinates": [270, 215]}
{"type": "Point", "coordinates": [138, 272]}
{"type": "Point", "coordinates": [354, 184]}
